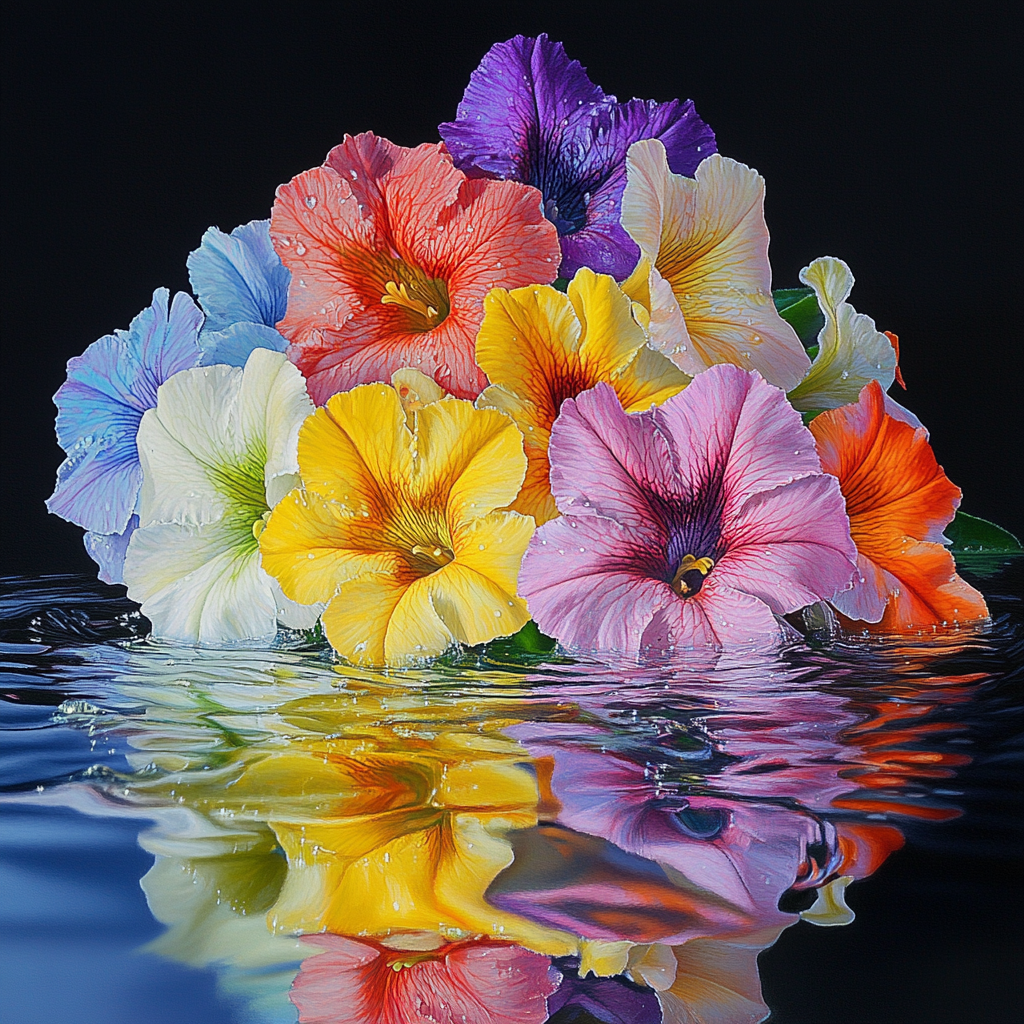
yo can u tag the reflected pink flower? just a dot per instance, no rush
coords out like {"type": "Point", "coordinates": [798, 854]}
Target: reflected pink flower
{"type": "Point", "coordinates": [477, 982]}
{"type": "Point", "coordinates": [691, 525]}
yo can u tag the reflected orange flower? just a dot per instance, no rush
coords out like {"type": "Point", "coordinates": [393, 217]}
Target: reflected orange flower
{"type": "Point", "coordinates": [899, 500]}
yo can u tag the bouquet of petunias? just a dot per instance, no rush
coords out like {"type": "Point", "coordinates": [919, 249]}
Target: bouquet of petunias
{"type": "Point", "coordinates": [533, 370]}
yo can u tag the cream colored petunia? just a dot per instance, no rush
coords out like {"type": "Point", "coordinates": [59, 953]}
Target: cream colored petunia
{"type": "Point", "coordinates": [217, 453]}
{"type": "Point", "coordinates": [704, 276]}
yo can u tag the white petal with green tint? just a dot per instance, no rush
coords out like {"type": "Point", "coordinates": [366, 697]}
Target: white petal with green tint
{"type": "Point", "coordinates": [217, 453]}
{"type": "Point", "coordinates": [852, 352]}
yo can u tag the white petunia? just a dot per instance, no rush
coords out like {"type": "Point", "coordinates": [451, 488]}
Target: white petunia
{"type": "Point", "coordinates": [217, 452]}
{"type": "Point", "coordinates": [852, 352]}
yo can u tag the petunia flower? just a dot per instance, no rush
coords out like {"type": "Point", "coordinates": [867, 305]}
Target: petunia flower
{"type": "Point", "coordinates": [899, 500]}
{"type": "Point", "coordinates": [99, 408]}
{"type": "Point", "coordinates": [218, 452]}
{"type": "Point", "coordinates": [705, 266]}
{"type": "Point", "coordinates": [539, 346]}
{"type": "Point", "coordinates": [691, 525]}
{"type": "Point", "coordinates": [349, 982]}
{"type": "Point", "coordinates": [530, 114]}
{"type": "Point", "coordinates": [396, 526]}
{"type": "Point", "coordinates": [242, 287]}
{"type": "Point", "coordinates": [392, 251]}
{"type": "Point", "coordinates": [852, 352]}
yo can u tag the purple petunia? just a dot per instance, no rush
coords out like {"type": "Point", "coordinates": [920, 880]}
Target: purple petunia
{"type": "Point", "coordinates": [691, 525]}
{"type": "Point", "coordinates": [530, 114]}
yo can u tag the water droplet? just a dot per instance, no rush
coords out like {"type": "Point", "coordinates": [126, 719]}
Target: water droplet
{"type": "Point", "coordinates": [311, 201]}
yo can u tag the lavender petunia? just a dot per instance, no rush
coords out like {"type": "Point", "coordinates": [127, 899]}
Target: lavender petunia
{"type": "Point", "coordinates": [242, 287]}
{"type": "Point", "coordinates": [99, 408]}
{"type": "Point", "coordinates": [530, 114]}
{"type": "Point", "coordinates": [692, 525]}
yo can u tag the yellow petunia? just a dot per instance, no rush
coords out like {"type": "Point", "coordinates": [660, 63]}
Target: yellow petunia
{"type": "Point", "coordinates": [396, 525]}
{"type": "Point", "coordinates": [704, 277]}
{"type": "Point", "coordinates": [539, 347]}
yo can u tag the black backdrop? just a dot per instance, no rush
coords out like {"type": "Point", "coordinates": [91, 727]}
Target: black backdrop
{"type": "Point", "coordinates": [887, 137]}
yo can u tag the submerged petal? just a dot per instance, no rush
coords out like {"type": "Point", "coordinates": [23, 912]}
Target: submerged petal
{"type": "Point", "coordinates": [851, 351]}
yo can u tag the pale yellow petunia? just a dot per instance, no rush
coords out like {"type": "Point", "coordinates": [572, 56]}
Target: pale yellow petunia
{"type": "Point", "coordinates": [539, 347]}
{"type": "Point", "coordinates": [396, 523]}
{"type": "Point", "coordinates": [852, 352]}
{"type": "Point", "coordinates": [704, 249]}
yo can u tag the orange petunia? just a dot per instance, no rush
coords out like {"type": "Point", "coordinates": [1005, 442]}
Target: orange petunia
{"type": "Point", "coordinates": [899, 500]}
{"type": "Point", "coordinates": [392, 251]}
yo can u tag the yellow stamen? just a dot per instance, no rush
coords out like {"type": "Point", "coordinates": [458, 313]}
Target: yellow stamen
{"type": "Point", "coordinates": [260, 524]}
{"type": "Point", "coordinates": [398, 294]}
{"type": "Point", "coordinates": [689, 564]}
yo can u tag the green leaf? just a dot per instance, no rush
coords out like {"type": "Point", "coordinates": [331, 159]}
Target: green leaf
{"type": "Point", "coordinates": [810, 414]}
{"type": "Point", "coordinates": [561, 283]}
{"type": "Point", "coordinates": [799, 308]}
{"type": "Point", "coordinates": [531, 639]}
{"type": "Point", "coordinates": [970, 535]}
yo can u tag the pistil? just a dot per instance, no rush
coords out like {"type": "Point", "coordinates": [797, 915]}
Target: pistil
{"type": "Point", "coordinates": [397, 294]}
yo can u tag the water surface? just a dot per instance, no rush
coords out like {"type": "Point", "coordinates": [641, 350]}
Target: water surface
{"type": "Point", "coordinates": [827, 833]}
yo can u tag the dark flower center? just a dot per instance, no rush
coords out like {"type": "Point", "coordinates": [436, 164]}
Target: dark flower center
{"type": "Point", "coordinates": [689, 576]}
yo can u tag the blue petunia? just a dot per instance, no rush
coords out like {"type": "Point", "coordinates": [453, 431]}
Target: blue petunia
{"type": "Point", "coordinates": [99, 408]}
{"type": "Point", "coordinates": [530, 114]}
{"type": "Point", "coordinates": [242, 286]}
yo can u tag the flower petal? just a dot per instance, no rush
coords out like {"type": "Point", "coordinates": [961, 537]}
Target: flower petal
{"type": "Point", "coordinates": [108, 551]}
{"type": "Point", "coordinates": [238, 278]}
{"type": "Point", "coordinates": [790, 546]}
{"type": "Point", "coordinates": [475, 456]}
{"type": "Point", "coordinates": [729, 424]}
{"type": "Point", "coordinates": [200, 584]}
{"type": "Point", "coordinates": [707, 238]}
{"type": "Point", "coordinates": [584, 583]}
{"type": "Point", "coordinates": [100, 406]}
{"type": "Point", "coordinates": [851, 351]}
{"type": "Point", "coordinates": [899, 500]}
{"type": "Point", "coordinates": [607, 463]}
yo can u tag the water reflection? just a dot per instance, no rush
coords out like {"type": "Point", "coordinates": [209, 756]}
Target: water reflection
{"type": "Point", "coordinates": [510, 837]}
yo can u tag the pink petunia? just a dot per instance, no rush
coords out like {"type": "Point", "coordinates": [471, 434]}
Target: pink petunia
{"type": "Point", "coordinates": [475, 982]}
{"type": "Point", "coordinates": [391, 252]}
{"type": "Point", "coordinates": [692, 525]}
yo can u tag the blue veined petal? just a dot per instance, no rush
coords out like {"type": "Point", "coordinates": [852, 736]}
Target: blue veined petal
{"type": "Point", "coordinates": [108, 551]}
{"type": "Point", "coordinates": [239, 278]}
{"type": "Point", "coordinates": [100, 405]}
{"type": "Point", "coordinates": [98, 483]}
{"type": "Point", "coordinates": [234, 345]}
{"type": "Point", "coordinates": [162, 343]}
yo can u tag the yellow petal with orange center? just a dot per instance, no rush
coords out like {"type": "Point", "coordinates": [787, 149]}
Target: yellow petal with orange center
{"type": "Point", "coordinates": [312, 547]}
{"type": "Point", "coordinates": [354, 449]}
{"type": "Point", "coordinates": [469, 461]}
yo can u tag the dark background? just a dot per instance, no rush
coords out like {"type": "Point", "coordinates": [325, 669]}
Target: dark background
{"type": "Point", "coordinates": [887, 137]}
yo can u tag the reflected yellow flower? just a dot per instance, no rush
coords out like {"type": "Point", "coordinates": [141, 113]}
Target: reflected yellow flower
{"type": "Point", "coordinates": [704, 276]}
{"type": "Point", "coordinates": [539, 347]}
{"type": "Point", "coordinates": [396, 525]}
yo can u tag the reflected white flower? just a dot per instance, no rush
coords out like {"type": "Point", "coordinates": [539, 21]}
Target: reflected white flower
{"type": "Point", "coordinates": [217, 452]}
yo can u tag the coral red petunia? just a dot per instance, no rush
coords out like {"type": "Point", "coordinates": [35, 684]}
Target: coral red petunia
{"type": "Point", "coordinates": [475, 982]}
{"type": "Point", "coordinates": [899, 500]}
{"type": "Point", "coordinates": [392, 251]}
